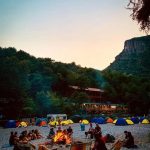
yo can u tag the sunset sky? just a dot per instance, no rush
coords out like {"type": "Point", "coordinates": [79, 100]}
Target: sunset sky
{"type": "Point", "coordinates": [88, 32]}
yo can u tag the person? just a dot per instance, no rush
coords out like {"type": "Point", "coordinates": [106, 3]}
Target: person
{"type": "Point", "coordinates": [129, 141]}
{"type": "Point", "coordinates": [51, 133]}
{"type": "Point", "coordinates": [70, 130]}
{"type": "Point", "coordinates": [11, 138]}
{"type": "Point", "coordinates": [90, 131]}
{"type": "Point", "coordinates": [59, 129]}
{"type": "Point", "coordinates": [98, 130]}
{"type": "Point", "coordinates": [38, 135]}
{"type": "Point", "coordinates": [99, 144]}
{"type": "Point", "coordinates": [82, 125]}
{"type": "Point", "coordinates": [16, 138]}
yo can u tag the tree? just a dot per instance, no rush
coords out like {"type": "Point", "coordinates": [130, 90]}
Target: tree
{"type": "Point", "coordinates": [141, 13]}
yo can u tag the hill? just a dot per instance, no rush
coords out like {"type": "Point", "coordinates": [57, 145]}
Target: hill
{"type": "Point", "coordinates": [30, 85]}
{"type": "Point", "coordinates": [135, 57]}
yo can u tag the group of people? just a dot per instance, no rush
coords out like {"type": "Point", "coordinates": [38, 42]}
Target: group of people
{"type": "Point", "coordinates": [100, 140]}
{"type": "Point", "coordinates": [64, 137]}
{"type": "Point", "coordinates": [23, 138]}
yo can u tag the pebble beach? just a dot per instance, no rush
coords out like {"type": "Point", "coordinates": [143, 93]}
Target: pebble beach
{"type": "Point", "coordinates": [141, 133]}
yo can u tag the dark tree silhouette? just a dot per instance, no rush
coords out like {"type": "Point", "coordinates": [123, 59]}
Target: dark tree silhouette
{"type": "Point", "coordinates": [141, 13]}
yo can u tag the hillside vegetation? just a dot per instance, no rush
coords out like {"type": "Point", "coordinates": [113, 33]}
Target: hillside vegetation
{"type": "Point", "coordinates": [32, 86]}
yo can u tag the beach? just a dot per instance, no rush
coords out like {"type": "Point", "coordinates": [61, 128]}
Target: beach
{"type": "Point", "coordinates": [139, 131]}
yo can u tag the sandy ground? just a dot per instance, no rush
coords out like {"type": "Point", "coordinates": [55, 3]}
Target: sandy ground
{"type": "Point", "coordinates": [139, 131]}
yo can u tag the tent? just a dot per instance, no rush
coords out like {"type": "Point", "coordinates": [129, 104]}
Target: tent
{"type": "Point", "coordinates": [70, 121]}
{"type": "Point", "coordinates": [85, 121]}
{"type": "Point", "coordinates": [65, 122]}
{"type": "Point", "coordinates": [39, 120]}
{"type": "Point", "coordinates": [135, 120]}
{"type": "Point", "coordinates": [109, 120]}
{"type": "Point", "coordinates": [129, 122]}
{"type": "Point", "coordinates": [23, 124]}
{"type": "Point", "coordinates": [121, 122]}
{"type": "Point", "coordinates": [53, 123]}
{"type": "Point", "coordinates": [141, 119]}
{"type": "Point", "coordinates": [42, 123]}
{"type": "Point", "coordinates": [11, 124]}
{"type": "Point", "coordinates": [100, 120]}
{"type": "Point", "coordinates": [114, 121]}
{"type": "Point", "coordinates": [145, 121]}
{"type": "Point", "coordinates": [93, 120]}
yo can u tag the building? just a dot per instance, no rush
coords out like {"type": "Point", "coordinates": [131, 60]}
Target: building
{"type": "Point", "coordinates": [95, 95]}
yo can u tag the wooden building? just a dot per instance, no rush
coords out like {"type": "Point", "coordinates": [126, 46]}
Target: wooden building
{"type": "Point", "coordinates": [95, 95]}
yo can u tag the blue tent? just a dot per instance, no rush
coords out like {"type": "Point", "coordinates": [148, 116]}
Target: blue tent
{"type": "Point", "coordinates": [135, 120]}
{"type": "Point", "coordinates": [11, 124]}
{"type": "Point", "coordinates": [141, 119]}
{"type": "Point", "coordinates": [100, 120]}
{"type": "Point", "coordinates": [93, 120]}
{"type": "Point", "coordinates": [121, 122]}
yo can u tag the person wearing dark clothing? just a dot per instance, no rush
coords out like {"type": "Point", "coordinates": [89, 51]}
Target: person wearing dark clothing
{"type": "Point", "coordinates": [51, 133]}
{"type": "Point", "coordinates": [69, 130]}
{"type": "Point", "coordinates": [98, 130]}
{"type": "Point", "coordinates": [11, 138]}
{"type": "Point", "coordinates": [99, 144]}
{"type": "Point", "coordinates": [129, 142]}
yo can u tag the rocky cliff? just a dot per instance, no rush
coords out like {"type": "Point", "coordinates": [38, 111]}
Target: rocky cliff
{"type": "Point", "coordinates": [135, 57]}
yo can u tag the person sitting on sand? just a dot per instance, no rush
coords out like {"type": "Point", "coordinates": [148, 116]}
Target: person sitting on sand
{"type": "Point", "coordinates": [16, 138]}
{"type": "Point", "coordinates": [70, 130]}
{"type": "Point", "coordinates": [51, 133]}
{"type": "Point", "coordinates": [29, 136]}
{"type": "Point", "coordinates": [38, 135]}
{"type": "Point", "coordinates": [129, 141]}
{"type": "Point", "coordinates": [59, 129]}
{"type": "Point", "coordinates": [33, 135]}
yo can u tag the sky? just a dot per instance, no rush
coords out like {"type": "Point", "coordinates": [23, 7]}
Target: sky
{"type": "Point", "coordinates": [88, 32]}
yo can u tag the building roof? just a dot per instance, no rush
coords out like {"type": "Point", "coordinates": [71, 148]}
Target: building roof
{"type": "Point", "coordinates": [87, 89]}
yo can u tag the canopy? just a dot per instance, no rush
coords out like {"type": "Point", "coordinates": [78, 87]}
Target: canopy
{"type": "Point", "coordinates": [23, 124]}
{"type": "Point", "coordinates": [85, 121]}
{"type": "Point", "coordinates": [109, 120]}
{"type": "Point", "coordinates": [145, 121]}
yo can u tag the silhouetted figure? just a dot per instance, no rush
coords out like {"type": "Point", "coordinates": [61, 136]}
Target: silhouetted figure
{"type": "Point", "coordinates": [99, 144]}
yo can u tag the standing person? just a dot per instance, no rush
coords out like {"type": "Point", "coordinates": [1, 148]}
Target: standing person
{"type": "Point", "coordinates": [98, 130]}
{"type": "Point", "coordinates": [90, 131]}
{"type": "Point", "coordinates": [82, 125]}
{"type": "Point", "coordinates": [11, 138]}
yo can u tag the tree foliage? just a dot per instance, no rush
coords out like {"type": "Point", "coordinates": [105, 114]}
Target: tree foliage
{"type": "Point", "coordinates": [141, 13]}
